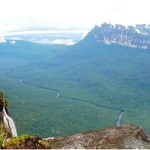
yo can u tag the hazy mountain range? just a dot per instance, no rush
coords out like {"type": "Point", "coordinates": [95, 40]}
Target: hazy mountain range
{"type": "Point", "coordinates": [130, 36]}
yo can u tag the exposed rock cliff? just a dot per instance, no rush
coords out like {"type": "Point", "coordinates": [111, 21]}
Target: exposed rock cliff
{"type": "Point", "coordinates": [127, 136]}
{"type": "Point", "coordinates": [138, 36]}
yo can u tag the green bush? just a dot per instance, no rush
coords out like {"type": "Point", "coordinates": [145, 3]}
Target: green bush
{"type": "Point", "coordinates": [26, 142]}
{"type": "Point", "coordinates": [3, 135]}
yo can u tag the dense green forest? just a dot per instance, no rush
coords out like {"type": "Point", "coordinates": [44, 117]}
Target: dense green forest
{"type": "Point", "coordinates": [58, 90]}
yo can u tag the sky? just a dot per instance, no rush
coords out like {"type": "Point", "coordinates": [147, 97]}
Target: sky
{"type": "Point", "coordinates": [70, 14]}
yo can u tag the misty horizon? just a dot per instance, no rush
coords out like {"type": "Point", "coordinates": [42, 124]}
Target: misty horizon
{"type": "Point", "coordinates": [73, 15]}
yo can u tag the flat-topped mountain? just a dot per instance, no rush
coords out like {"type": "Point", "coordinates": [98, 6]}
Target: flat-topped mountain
{"type": "Point", "coordinates": [130, 36]}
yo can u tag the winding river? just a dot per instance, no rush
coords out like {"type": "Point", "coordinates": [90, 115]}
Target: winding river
{"type": "Point", "coordinates": [59, 95]}
{"type": "Point", "coordinates": [121, 111]}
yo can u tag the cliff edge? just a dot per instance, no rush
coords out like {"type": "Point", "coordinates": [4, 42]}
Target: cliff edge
{"type": "Point", "coordinates": [123, 137]}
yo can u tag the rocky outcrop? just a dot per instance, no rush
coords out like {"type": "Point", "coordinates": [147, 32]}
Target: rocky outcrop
{"type": "Point", "coordinates": [136, 37]}
{"type": "Point", "coordinates": [126, 136]}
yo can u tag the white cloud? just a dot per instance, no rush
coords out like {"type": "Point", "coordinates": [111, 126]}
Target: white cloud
{"type": "Point", "coordinates": [63, 41]}
{"type": "Point", "coordinates": [13, 42]}
{"type": "Point", "coordinates": [2, 39]}
{"type": "Point", "coordinates": [22, 14]}
{"type": "Point", "coordinates": [44, 32]}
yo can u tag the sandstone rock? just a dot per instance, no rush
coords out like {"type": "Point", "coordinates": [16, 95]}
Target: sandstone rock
{"type": "Point", "coordinates": [126, 136]}
{"type": "Point", "coordinates": [123, 137]}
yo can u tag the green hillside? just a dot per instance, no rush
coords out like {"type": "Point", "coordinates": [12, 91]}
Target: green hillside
{"type": "Point", "coordinates": [94, 82]}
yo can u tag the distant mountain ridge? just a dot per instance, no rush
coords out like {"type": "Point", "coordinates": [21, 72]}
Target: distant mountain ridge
{"type": "Point", "coordinates": [135, 37]}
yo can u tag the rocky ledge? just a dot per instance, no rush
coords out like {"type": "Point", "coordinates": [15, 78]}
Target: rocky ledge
{"type": "Point", "coordinates": [123, 137]}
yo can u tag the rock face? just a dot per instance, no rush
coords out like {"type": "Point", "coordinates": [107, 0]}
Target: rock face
{"type": "Point", "coordinates": [127, 136]}
{"type": "Point", "coordinates": [136, 37]}
{"type": "Point", "coordinates": [123, 137]}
